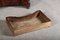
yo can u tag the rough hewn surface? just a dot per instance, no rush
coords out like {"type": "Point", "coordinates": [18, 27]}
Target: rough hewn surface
{"type": "Point", "coordinates": [28, 23]}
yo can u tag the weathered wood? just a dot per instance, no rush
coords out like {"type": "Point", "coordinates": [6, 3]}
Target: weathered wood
{"type": "Point", "coordinates": [32, 22]}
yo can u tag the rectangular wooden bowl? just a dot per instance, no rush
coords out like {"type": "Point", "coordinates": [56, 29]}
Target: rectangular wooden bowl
{"type": "Point", "coordinates": [32, 22]}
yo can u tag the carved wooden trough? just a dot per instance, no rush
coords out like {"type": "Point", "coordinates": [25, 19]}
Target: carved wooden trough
{"type": "Point", "coordinates": [32, 22]}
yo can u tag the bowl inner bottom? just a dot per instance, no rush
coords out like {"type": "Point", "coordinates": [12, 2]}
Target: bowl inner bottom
{"type": "Point", "coordinates": [20, 24]}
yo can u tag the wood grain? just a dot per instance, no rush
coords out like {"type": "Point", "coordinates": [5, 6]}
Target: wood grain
{"type": "Point", "coordinates": [28, 23]}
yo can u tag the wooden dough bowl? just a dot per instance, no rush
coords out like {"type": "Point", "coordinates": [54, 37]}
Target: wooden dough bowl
{"type": "Point", "coordinates": [28, 23]}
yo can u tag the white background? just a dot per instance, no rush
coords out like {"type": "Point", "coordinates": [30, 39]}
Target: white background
{"type": "Point", "coordinates": [51, 8]}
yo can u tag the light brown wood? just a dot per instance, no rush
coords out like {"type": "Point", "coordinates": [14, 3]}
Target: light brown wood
{"type": "Point", "coordinates": [32, 22]}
